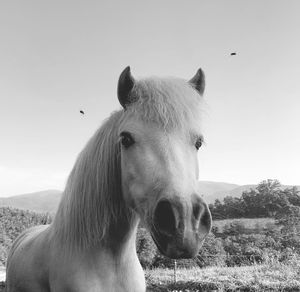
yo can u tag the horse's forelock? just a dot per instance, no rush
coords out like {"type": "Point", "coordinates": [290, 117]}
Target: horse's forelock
{"type": "Point", "coordinates": [170, 103]}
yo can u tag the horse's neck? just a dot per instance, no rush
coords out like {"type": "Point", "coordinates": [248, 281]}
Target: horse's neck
{"type": "Point", "coordinates": [118, 234]}
{"type": "Point", "coordinates": [111, 266]}
{"type": "Point", "coordinates": [121, 236]}
{"type": "Point", "coordinates": [117, 254]}
{"type": "Point", "coordinates": [119, 243]}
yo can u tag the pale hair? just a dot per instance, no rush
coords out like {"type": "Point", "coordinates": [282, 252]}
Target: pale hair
{"type": "Point", "coordinates": [92, 201]}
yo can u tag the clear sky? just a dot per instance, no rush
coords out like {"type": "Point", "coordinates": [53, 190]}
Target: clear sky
{"type": "Point", "coordinates": [58, 57]}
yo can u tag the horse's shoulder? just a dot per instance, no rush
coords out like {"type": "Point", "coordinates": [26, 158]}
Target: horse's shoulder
{"type": "Point", "coordinates": [28, 251]}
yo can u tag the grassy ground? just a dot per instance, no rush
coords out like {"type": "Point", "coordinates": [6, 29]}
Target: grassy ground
{"type": "Point", "coordinates": [271, 277]}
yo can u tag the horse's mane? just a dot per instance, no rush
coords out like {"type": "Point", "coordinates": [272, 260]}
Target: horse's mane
{"type": "Point", "coordinates": [92, 201]}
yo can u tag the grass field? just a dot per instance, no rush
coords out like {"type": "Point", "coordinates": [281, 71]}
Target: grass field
{"type": "Point", "coordinates": [271, 277]}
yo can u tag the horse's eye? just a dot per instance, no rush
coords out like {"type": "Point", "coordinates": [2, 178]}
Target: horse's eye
{"type": "Point", "coordinates": [126, 139]}
{"type": "Point", "coordinates": [198, 143]}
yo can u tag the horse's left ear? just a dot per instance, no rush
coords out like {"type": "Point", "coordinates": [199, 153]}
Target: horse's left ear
{"type": "Point", "coordinates": [198, 81]}
{"type": "Point", "coordinates": [125, 86]}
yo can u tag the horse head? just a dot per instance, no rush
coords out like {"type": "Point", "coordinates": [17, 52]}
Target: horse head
{"type": "Point", "coordinates": [159, 139]}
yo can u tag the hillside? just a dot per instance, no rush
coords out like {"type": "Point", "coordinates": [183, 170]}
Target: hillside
{"type": "Point", "coordinates": [210, 189]}
{"type": "Point", "coordinates": [12, 223]}
{"type": "Point", "coordinates": [234, 192]}
{"type": "Point", "coordinates": [44, 201]}
{"type": "Point", "coordinates": [48, 200]}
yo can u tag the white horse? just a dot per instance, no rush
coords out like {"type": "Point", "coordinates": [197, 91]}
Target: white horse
{"type": "Point", "coordinates": [140, 164]}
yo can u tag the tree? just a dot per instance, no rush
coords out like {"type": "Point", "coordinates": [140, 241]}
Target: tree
{"type": "Point", "coordinates": [289, 218]}
{"type": "Point", "coordinates": [217, 210]}
{"type": "Point", "coordinates": [234, 207]}
{"type": "Point", "coordinates": [265, 200]}
{"type": "Point", "coordinates": [292, 195]}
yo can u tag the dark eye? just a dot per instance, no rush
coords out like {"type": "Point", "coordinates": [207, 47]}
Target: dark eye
{"type": "Point", "coordinates": [126, 139]}
{"type": "Point", "coordinates": [198, 143]}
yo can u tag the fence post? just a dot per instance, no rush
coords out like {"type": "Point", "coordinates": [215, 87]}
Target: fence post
{"type": "Point", "coordinates": [175, 271]}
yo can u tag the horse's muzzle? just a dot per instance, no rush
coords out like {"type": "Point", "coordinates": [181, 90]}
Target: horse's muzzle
{"type": "Point", "coordinates": [179, 227]}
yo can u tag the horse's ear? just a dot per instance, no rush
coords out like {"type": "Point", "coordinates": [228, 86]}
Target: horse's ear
{"type": "Point", "coordinates": [125, 85]}
{"type": "Point", "coordinates": [198, 81]}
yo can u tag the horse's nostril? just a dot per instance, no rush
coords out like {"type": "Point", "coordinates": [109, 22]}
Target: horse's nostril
{"type": "Point", "coordinates": [206, 218]}
{"type": "Point", "coordinates": [164, 218]}
{"type": "Point", "coordinates": [196, 210]}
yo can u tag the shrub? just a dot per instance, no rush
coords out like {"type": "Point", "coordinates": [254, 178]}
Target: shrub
{"type": "Point", "coordinates": [212, 252]}
{"type": "Point", "coordinates": [146, 248]}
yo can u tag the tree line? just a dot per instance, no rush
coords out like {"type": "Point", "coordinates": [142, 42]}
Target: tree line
{"type": "Point", "coordinates": [268, 199]}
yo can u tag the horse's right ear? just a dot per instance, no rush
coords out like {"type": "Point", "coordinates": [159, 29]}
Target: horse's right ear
{"type": "Point", "coordinates": [125, 85]}
{"type": "Point", "coordinates": [198, 81]}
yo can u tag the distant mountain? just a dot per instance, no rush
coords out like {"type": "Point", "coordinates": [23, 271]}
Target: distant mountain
{"type": "Point", "coordinates": [44, 201]}
{"type": "Point", "coordinates": [234, 192]}
{"type": "Point", "coordinates": [213, 190]}
{"type": "Point", "coordinates": [47, 201]}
